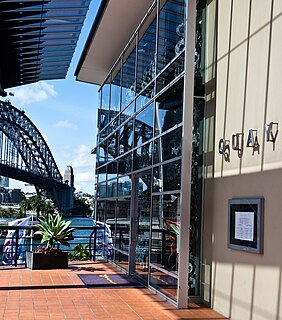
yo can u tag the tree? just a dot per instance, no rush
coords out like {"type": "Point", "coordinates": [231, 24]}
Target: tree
{"type": "Point", "coordinates": [37, 204]}
{"type": "Point", "coordinates": [11, 213]}
{"type": "Point", "coordinates": [81, 208]}
{"type": "Point", "coordinates": [25, 205]}
{"type": "Point", "coordinates": [49, 208]}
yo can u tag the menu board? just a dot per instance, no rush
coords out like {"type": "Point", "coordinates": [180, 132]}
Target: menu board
{"type": "Point", "coordinates": [245, 224]}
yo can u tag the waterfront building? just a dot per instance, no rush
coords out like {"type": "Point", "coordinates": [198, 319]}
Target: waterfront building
{"type": "Point", "coordinates": [11, 196]}
{"type": "Point", "coordinates": [188, 155]}
{"type": "Point", "coordinates": [16, 195]}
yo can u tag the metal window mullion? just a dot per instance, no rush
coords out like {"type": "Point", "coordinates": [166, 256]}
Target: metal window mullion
{"type": "Point", "coordinates": [187, 138]}
{"type": "Point", "coordinates": [156, 46]}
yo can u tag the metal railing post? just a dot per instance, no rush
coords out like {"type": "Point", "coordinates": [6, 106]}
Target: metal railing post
{"type": "Point", "coordinates": [95, 239]}
{"type": "Point", "coordinates": [17, 248]}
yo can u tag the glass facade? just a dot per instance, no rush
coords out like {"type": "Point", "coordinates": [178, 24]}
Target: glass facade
{"type": "Point", "coordinates": [139, 153]}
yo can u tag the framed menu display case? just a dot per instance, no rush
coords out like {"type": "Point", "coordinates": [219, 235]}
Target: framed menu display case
{"type": "Point", "coordinates": [245, 224]}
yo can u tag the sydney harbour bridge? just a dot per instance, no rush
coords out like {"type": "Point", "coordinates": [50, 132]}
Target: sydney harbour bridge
{"type": "Point", "coordinates": [25, 156]}
{"type": "Point", "coordinates": [38, 40]}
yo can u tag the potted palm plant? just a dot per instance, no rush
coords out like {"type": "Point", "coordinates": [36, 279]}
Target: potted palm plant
{"type": "Point", "coordinates": [54, 232]}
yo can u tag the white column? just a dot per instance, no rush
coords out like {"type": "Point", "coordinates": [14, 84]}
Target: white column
{"type": "Point", "coordinates": [185, 199]}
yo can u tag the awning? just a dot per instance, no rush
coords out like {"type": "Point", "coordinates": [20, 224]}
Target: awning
{"type": "Point", "coordinates": [38, 39]}
{"type": "Point", "coordinates": [115, 23]}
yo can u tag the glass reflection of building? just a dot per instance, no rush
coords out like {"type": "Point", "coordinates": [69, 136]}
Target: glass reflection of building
{"type": "Point", "coordinates": [139, 150]}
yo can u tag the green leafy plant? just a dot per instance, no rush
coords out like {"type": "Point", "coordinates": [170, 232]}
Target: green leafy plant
{"type": "Point", "coordinates": [80, 252]}
{"type": "Point", "coordinates": [55, 231]}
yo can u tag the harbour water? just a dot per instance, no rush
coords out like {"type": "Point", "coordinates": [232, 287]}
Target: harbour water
{"type": "Point", "coordinates": [80, 236]}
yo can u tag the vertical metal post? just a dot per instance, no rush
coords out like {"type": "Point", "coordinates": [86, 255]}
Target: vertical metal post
{"type": "Point", "coordinates": [17, 248]}
{"type": "Point", "coordinates": [133, 224]}
{"type": "Point", "coordinates": [90, 246]}
{"type": "Point", "coordinates": [95, 239]}
{"type": "Point", "coordinates": [187, 136]}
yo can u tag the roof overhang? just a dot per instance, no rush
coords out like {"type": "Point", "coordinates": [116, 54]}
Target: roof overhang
{"type": "Point", "coordinates": [38, 39]}
{"type": "Point", "coordinates": [115, 23]}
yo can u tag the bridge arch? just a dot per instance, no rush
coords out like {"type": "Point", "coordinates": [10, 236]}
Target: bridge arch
{"type": "Point", "coordinates": [25, 156]}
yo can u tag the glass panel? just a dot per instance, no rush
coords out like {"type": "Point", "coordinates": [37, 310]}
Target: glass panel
{"type": "Point", "coordinates": [112, 188]}
{"type": "Point", "coordinates": [102, 154]}
{"type": "Point", "coordinates": [127, 113]}
{"type": "Point", "coordinates": [143, 226]}
{"type": "Point", "coordinates": [200, 45]}
{"type": "Point", "coordinates": [143, 156]}
{"type": "Point", "coordinates": [169, 110]}
{"type": "Point", "coordinates": [125, 164]}
{"type": "Point", "coordinates": [105, 103]}
{"type": "Point", "coordinates": [168, 146]}
{"type": "Point", "coordinates": [112, 115]}
{"type": "Point", "coordinates": [112, 170]}
{"type": "Point", "coordinates": [100, 210]}
{"type": "Point", "coordinates": [172, 176]}
{"type": "Point", "coordinates": [122, 232]}
{"type": "Point", "coordinates": [170, 73]}
{"type": "Point", "coordinates": [104, 133]}
{"type": "Point", "coordinates": [144, 125]}
{"type": "Point", "coordinates": [126, 137]}
{"type": "Point", "coordinates": [167, 177]}
{"type": "Point", "coordinates": [116, 91]}
{"type": "Point", "coordinates": [128, 76]}
{"type": "Point", "coordinates": [102, 190]}
{"type": "Point", "coordinates": [171, 36]}
{"type": "Point", "coordinates": [124, 186]}
{"type": "Point", "coordinates": [196, 198]}
{"type": "Point", "coordinates": [121, 259]}
{"type": "Point", "coordinates": [145, 96]}
{"type": "Point", "coordinates": [112, 146]}
{"type": "Point", "coordinates": [146, 57]}
{"type": "Point", "coordinates": [165, 242]}
{"type": "Point", "coordinates": [101, 173]}
{"type": "Point", "coordinates": [114, 124]}
{"type": "Point", "coordinates": [163, 282]}
{"type": "Point", "coordinates": [110, 217]}
{"type": "Point", "coordinates": [110, 213]}
{"type": "Point", "coordinates": [103, 116]}
{"type": "Point", "coordinates": [123, 225]}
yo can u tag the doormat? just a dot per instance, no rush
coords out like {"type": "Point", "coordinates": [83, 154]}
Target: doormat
{"type": "Point", "coordinates": [163, 280]}
{"type": "Point", "coordinates": [109, 280]}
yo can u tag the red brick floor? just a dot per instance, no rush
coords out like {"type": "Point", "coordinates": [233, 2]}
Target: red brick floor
{"type": "Point", "coordinates": [60, 294]}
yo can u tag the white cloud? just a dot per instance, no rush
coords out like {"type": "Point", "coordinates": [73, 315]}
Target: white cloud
{"type": "Point", "coordinates": [84, 177]}
{"type": "Point", "coordinates": [66, 124]}
{"type": "Point", "coordinates": [84, 181]}
{"type": "Point", "coordinates": [83, 157]}
{"type": "Point", "coordinates": [82, 161]}
{"type": "Point", "coordinates": [35, 92]}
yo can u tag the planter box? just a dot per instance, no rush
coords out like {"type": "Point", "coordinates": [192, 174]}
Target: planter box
{"type": "Point", "coordinates": [40, 261]}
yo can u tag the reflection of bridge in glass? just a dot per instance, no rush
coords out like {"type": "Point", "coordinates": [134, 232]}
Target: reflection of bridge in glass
{"type": "Point", "coordinates": [134, 131]}
{"type": "Point", "coordinates": [25, 156]}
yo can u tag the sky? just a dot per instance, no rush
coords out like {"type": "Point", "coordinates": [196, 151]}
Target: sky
{"type": "Point", "coordinates": [65, 112]}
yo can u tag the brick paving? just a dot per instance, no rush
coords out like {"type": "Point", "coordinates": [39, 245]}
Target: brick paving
{"type": "Point", "coordinates": [60, 294]}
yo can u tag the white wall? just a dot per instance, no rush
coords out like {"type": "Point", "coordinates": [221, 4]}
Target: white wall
{"type": "Point", "coordinates": [243, 94]}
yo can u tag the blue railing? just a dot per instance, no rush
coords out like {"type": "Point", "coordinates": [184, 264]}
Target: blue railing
{"type": "Point", "coordinates": [16, 240]}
